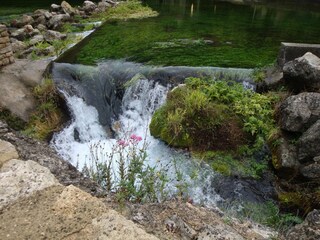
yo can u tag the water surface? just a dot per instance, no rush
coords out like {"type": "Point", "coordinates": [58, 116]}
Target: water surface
{"type": "Point", "coordinates": [204, 33]}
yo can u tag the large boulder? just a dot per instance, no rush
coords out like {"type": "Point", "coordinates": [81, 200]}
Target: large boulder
{"type": "Point", "coordinates": [36, 39]}
{"type": "Point", "coordinates": [285, 159]}
{"type": "Point", "coordinates": [19, 34]}
{"type": "Point", "coordinates": [103, 5]}
{"type": "Point", "coordinates": [57, 20]}
{"type": "Point", "coordinates": [308, 230]}
{"type": "Point", "coordinates": [308, 144]}
{"type": "Point", "coordinates": [67, 8]}
{"type": "Point", "coordinates": [41, 12]}
{"type": "Point", "coordinates": [299, 112]}
{"type": "Point", "coordinates": [89, 7]}
{"type": "Point", "coordinates": [40, 20]}
{"type": "Point", "coordinates": [311, 171]}
{"type": "Point", "coordinates": [51, 36]}
{"type": "Point", "coordinates": [65, 213]}
{"type": "Point", "coordinates": [55, 8]}
{"type": "Point", "coordinates": [17, 45]}
{"type": "Point", "coordinates": [7, 152]}
{"type": "Point", "coordinates": [24, 20]}
{"type": "Point", "coordinates": [22, 178]}
{"type": "Point", "coordinates": [303, 73]}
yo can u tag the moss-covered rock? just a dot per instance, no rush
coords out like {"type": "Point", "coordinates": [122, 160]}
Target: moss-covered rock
{"type": "Point", "coordinates": [220, 122]}
{"type": "Point", "coordinates": [191, 120]}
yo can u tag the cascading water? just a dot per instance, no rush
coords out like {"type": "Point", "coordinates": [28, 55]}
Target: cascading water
{"type": "Point", "coordinates": [145, 92]}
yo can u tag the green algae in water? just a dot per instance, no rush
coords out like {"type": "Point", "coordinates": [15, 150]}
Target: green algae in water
{"type": "Point", "coordinates": [208, 34]}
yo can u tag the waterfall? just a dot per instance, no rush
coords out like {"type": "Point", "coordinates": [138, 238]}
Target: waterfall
{"type": "Point", "coordinates": [145, 91]}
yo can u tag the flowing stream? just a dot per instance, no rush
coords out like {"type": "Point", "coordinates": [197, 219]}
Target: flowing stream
{"type": "Point", "coordinates": [104, 113]}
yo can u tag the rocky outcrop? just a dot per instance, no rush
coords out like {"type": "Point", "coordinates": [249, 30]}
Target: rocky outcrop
{"type": "Point", "coordinates": [6, 54]}
{"type": "Point", "coordinates": [303, 73]}
{"type": "Point", "coordinates": [308, 230]}
{"type": "Point", "coordinates": [35, 206]}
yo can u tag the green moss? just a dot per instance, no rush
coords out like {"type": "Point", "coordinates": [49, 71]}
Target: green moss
{"type": "Point", "coordinates": [231, 163]}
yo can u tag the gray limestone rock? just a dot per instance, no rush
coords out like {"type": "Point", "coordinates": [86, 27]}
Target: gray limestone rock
{"type": "Point", "coordinates": [22, 178]}
{"type": "Point", "coordinates": [303, 73]}
{"type": "Point", "coordinates": [299, 112]}
{"type": "Point", "coordinates": [7, 152]}
{"type": "Point", "coordinates": [51, 36]}
{"type": "Point", "coordinates": [308, 143]}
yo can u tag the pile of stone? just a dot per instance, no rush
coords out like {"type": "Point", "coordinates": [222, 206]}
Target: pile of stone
{"type": "Point", "coordinates": [6, 55]}
{"type": "Point", "coordinates": [45, 26]}
{"type": "Point", "coordinates": [297, 156]}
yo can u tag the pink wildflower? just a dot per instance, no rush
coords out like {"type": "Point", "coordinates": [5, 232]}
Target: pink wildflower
{"type": "Point", "coordinates": [122, 143]}
{"type": "Point", "coordinates": [135, 138]}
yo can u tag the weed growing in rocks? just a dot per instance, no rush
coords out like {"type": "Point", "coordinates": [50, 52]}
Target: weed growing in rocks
{"type": "Point", "coordinates": [48, 116]}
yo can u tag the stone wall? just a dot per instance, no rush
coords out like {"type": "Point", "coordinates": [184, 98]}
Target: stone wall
{"type": "Point", "coordinates": [6, 54]}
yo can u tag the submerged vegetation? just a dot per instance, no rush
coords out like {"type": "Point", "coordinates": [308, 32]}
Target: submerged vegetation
{"type": "Point", "coordinates": [204, 34]}
{"type": "Point", "coordinates": [207, 115]}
